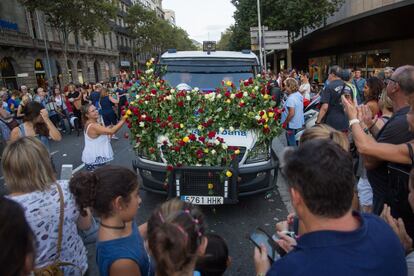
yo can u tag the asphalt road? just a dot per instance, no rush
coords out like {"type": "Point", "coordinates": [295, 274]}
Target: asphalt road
{"type": "Point", "coordinates": [232, 222]}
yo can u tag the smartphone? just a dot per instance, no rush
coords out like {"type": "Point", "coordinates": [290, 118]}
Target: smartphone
{"type": "Point", "coordinates": [274, 251]}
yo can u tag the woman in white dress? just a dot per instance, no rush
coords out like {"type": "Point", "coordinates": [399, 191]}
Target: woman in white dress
{"type": "Point", "coordinates": [31, 182]}
{"type": "Point", "coordinates": [98, 150]}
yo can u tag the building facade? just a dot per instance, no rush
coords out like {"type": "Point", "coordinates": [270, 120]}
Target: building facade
{"type": "Point", "coordinates": [31, 52]}
{"type": "Point", "coordinates": [365, 34]}
{"type": "Point", "coordinates": [170, 16]}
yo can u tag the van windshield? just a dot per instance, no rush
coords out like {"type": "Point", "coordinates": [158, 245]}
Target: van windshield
{"type": "Point", "coordinates": [207, 76]}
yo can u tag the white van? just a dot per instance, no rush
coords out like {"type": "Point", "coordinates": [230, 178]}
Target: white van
{"type": "Point", "coordinates": [256, 169]}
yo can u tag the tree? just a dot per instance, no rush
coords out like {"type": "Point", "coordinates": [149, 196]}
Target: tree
{"type": "Point", "coordinates": [291, 15]}
{"type": "Point", "coordinates": [224, 42]}
{"type": "Point", "coordinates": [155, 35]}
{"type": "Point", "coordinates": [78, 17]}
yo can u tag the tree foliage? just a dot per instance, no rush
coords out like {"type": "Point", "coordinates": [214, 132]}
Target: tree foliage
{"type": "Point", "coordinates": [224, 42]}
{"type": "Point", "coordinates": [291, 15]}
{"type": "Point", "coordinates": [155, 35]}
{"type": "Point", "coordinates": [84, 17]}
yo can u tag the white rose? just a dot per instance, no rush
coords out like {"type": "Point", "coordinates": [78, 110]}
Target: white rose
{"type": "Point", "coordinates": [146, 102]}
{"type": "Point", "coordinates": [219, 96]}
{"type": "Point", "coordinates": [245, 94]}
{"type": "Point", "coordinates": [224, 146]}
{"type": "Point", "coordinates": [149, 71]}
{"type": "Point", "coordinates": [141, 124]}
{"type": "Point", "coordinates": [258, 75]}
{"type": "Point", "coordinates": [169, 97]}
{"type": "Point", "coordinates": [221, 129]}
{"type": "Point", "coordinates": [188, 98]}
{"type": "Point", "coordinates": [217, 142]}
{"type": "Point", "coordinates": [231, 128]}
{"type": "Point", "coordinates": [172, 90]}
{"type": "Point", "coordinates": [256, 88]}
{"type": "Point", "coordinates": [196, 89]}
{"type": "Point", "coordinates": [143, 117]}
{"type": "Point", "coordinates": [232, 96]}
{"type": "Point", "coordinates": [137, 97]}
{"type": "Point", "coordinates": [257, 117]}
{"type": "Point", "coordinates": [213, 152]}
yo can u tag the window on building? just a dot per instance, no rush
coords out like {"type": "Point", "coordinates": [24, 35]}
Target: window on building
{"type": "Point", "coordinates": [104, 40]}
{"type": "Point", "coordinates": [110, 40]}
{"type": "Point", "coordinates": [33, 24]}
{"type": "Point", "coordinates": [117, 40]}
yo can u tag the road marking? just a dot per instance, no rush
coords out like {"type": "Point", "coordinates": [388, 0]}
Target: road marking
{"type": "Point", "coordinates": [80, 167]}
{"type": "Point", "coordinates": [54, 152]}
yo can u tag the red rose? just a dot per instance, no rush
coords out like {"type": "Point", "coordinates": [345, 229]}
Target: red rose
{"type": "Point", "coordinates": [202, 139]}
{"type": "Point", "coordinates": [126, 104]}
{"type": "Point", "coordinates": [192, 137]}
{"type": "Point", "coordinates": [253, 96]}
{"type": "Point", "coordinates": [241, 104]}
{"type": "Point", "coordinates": [233, 156]}
{"type": "Point", "coordinates": [180, 103]}
{"type": "Point", "coordinates": [239, 95]}
{"type": "Point", "coordinates": [227, 94]}
{"type": "Point", "coordinates": [250, 81]}
{"type": "Point", "coordinates": [200, 110]}
{"type": "Point", "coordinates": [177, 148]}
{"type": "Point", "coordinates": [154, 92]}
{"type": "Point", "coordinates": [158, 120]}
{"type": "Point", "coordinates": [261, 113]}
{"type": "Point", "coordinates": [211, 134]}
{"type": "Point", "coordinates": [246, 83]}
{"type": "Point", "coordinates": [181, 143]}
{"type": "Point", "coordinates": [151, 150]}
{"type": "Point", "coordinates": [221, 140]}
{"type": "Point", "coordinates": [170, 118]}
{"type": "Point", "coordinates": [170, 168]}
{"type": "Point", "coordinates": [149, 119]}
{"type": "Point", "coordinates": [176, 125]}
{"type": "Point", "coordinates": [273, 98]}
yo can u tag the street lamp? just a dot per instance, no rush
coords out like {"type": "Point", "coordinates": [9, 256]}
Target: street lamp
{"type": "Point", "coordinates": [260, 33]}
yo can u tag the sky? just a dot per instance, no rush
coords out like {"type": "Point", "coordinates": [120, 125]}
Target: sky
{"type": "Point", "coordinates": [202, 19]}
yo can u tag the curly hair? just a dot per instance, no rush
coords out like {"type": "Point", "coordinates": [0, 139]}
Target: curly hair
{"type": "Point", "coordinates": [375, 86]}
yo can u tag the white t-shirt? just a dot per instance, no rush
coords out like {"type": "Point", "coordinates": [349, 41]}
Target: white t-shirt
{"type": "Point", "coordinates": [305, 89]}
{"type": "Point", "coordinates": [42, 210]}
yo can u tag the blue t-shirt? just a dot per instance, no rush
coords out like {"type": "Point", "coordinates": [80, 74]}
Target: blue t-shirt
{"type": "Point", "coordinates": [131, 247]}
{"type": "Point", "coordinates": [294, 100]}
{"type": "Point", "coordinates": [371, 250]}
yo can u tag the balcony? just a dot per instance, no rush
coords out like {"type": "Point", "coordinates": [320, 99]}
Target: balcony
{"type": "Point", "coordinates": [124, 49]}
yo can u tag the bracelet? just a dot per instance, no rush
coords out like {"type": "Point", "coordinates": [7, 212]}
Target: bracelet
{"type": "Point", "coordinates": [366, 130]}
{"type": "Point", "coordinates": [373, 124]}
{"type": "Point", "coordinates": [353, 122]}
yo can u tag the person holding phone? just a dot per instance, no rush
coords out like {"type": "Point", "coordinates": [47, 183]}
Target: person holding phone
{"type": "Point", "coordinates": [338, 241]}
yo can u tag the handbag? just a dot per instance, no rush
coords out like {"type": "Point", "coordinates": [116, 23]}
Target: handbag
{"type": "Point", "coordinates": [55, 269]}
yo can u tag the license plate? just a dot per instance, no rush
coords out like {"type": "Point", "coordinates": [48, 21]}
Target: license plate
{"type": "Point", "coordinates": [203, 200]}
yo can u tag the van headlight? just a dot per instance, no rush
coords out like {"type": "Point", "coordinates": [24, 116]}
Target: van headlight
{"type": "Point", "coordinates": [259, 153]}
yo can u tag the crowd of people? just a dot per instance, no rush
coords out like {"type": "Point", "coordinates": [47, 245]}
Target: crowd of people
{"type": "Point", "coordinates": [350, 178]}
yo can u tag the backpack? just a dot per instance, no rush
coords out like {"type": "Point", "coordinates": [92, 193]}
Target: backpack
{"type": "Point", "coordinates": [55, 269]}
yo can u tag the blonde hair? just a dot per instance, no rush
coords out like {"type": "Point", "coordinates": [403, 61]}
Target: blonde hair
{"type": "Point", "coordinates": [104, 92]}
{"type": "Point", "coordinates": [292, 84]}
{"type": "Point", "coordinates": [26, 166]}
{"type": "Point", "coordinates": [325, 132]}
{"type": "Point", "coordinates": [385, 101]}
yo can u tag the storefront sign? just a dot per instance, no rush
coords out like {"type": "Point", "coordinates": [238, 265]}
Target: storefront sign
{"type": "Point", "coordinates": [125, 63]}
{"type": "Point", "coordinates": [8, 25]}
{"type": "Point", "coordinates": [22, 75]}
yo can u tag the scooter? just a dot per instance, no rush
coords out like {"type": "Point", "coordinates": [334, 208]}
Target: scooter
{"type": "Point", "coordinates": [310, 114]}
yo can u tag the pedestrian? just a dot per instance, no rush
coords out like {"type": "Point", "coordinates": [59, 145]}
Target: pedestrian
{"type": "Point", "coordinates": [17, 254]}
{"type": "Point", "coordinates": [25, 91]}
{"type": "Point", "coordinates": [106, 104]}
{"type": "Point", "coordinates": [40, 97]}
{"type": "Point", "coordinates": [390, 148]}
{"type": "Point", "coordinates": [36, 123]}
{"type": "Point", "coordinates": [338, 241]}
{"type": "Point", "coordinates": [359, 83]}
{"type": "Point", "coordinates": [216, 259]}
{"type": "Point", "coordinates": [50, 208]}
{"type": "Point", "coordinates": [292, 116]}
{"type": "Point", "coordinates": [74, 98]}
{"type": "Point", "coordinates": [121, 95]}
{"type": "Point", "coordinates": [332, 111]}
{"type": "Point", "coordinates": [113, 193]}
{"type": "Point", "coordinates": [305, 88]}
{"type": "Point", "coordinates": [21, 109]}
{"type": "Point", "coordinates": [98, 150]}
{"type": "Point", "coordinates": [176, 238]}
{"type": "Point", "coordinates": [372, 91]}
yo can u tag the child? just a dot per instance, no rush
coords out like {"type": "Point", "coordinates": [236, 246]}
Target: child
{"type": "Point", "coordinates": [216, 258]}
{"type": "Point", "coordinates": [176, 238]}
{"type": "Point", "coordinates": [112, 192]}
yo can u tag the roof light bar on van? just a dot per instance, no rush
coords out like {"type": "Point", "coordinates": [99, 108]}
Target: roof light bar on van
{"type": "Point", "coordinates": [172, 51]}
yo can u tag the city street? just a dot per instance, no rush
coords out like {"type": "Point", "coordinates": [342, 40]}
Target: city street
{"type": "Point", "coordinates": [233, 222]}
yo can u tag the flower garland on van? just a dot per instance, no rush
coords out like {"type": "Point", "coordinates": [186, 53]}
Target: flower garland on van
{"type": "Point", "coordinates": [183, 128]}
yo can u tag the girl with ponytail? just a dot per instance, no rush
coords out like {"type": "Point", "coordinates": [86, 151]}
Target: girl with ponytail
{"type": "Point", "coordinates": [176, 238]}
{"type": "Point", "coordinates": [113, 194]}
